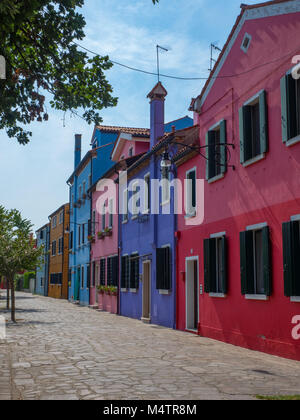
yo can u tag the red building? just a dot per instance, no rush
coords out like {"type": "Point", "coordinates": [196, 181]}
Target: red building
{"type": "Point", "coordinates": [238, 273]}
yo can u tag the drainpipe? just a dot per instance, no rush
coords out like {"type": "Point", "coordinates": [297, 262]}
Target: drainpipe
{"type": "Point", "coordinates": [63, 256]}
{"type": "Point", "coordinates": [175, 257]}
{"type": "Point", "coordinates": [119, 244]}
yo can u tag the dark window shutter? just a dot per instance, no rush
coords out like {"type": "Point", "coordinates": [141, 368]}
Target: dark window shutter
{"type": "Point", "coordinates": [115, 271]}
{"type": "Point", "coordinates": [134, 271]}
{"type": "Point", "coordinates": [88, 276]}
{"type": "Point", "coordinates": [210, 155]}
{"type": "Point", "coordinates": [89, 228]}
{"type": "Point", "coordinates": [287, 258]}
{"type": "Point", "coordinates": [263, 120]}
{"type": "Point", "coordinates": [224, 265]}
{"type": "Point", "coordinates": [245, 133]}
{"type": "Point", "coordinates": [168, 269]}
{"type": "Point", "coordinates": [192, 177]}
{"type": "Point", "coordinates": [94, 274]}
{"type": "Point", "coordinates": [160, 263]}
{"type": "Point", "coordinates": [109, 271]}
{"type": "Point", "coordinates": [223, 140]}
{"type": "Point", "coordinates": [102, 272]}
{"type": "Point", "coordinates": [123, 272]}
{"type": "Point", "coordinates": [210, 272]}
{"type": "Point", "coordinates": [267, 261]}
{"type": "Point", "coordinates": [296, 254]}
{"type": "Point", "coordinates": [247, 262]}
{"type": "Point", "coordinates": [284, 108]}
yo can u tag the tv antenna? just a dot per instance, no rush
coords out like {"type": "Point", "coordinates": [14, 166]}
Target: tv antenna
{"type": "Point", "coordinates": [213, 48]}
{"type": "Point", "coordinates": [158, 47]}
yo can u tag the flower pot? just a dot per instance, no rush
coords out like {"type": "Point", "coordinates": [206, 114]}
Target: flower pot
{"type": "Point", "coordinates": [100, 301]}
{"type": "Point", "coordinates": [114, 304]}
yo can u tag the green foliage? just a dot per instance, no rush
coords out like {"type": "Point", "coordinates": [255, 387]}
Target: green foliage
{"type": "Point", "coordinates": [37, 41]}
{"type": "Point", "coordinates": [27, 277]}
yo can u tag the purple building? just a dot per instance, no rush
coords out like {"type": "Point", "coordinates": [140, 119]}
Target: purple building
{"type": "Point", "coordinates": [146, 234]}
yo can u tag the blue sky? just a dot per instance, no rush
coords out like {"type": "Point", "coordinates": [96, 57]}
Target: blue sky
{"type": "Point", "coordinates": [33, 177]}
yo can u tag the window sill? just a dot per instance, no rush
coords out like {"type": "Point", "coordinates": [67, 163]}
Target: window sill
{"type": "Point", "coordinates": [218, 295]}
{"type": "Point", "coordinates": [190, 216]}
{"type": "Point", "coordinates": [293, 141]}
{"type": "Point", "coordinates": [254, 160]}
{"type": "Point", "coordinates": [257, 297]}
{"type": "Point", "coordinates": [295, 299]}
{"type": "Point", "coordinates": [133, 290]}
{"type": "Point", "coordinates": [124, 222]}
{"type": "Point", "coordinates": [165, 292]}
{"type": "Point", "coordinates": [165, 203]}
{"type": "Point", "coordinates": [215, 178]}
{"type": "Point", "coordinates": [134, 217]}
{"type": "Point", "coordinates": [124, 290]}
{"type": "Point", "coordinates": [146, 212]}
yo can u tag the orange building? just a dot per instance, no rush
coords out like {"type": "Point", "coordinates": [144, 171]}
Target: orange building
{"type": "Point", "coordinates": [59, 253]}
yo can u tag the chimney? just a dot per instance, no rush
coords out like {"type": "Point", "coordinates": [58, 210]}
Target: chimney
{"type": "Point", "coordinates": [157, 113]}
{"type": "Point", "coordinates": [77, 150]}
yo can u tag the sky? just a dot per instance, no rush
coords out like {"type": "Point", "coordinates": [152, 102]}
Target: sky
{"type": "Point", "coordinates": [33, 177]}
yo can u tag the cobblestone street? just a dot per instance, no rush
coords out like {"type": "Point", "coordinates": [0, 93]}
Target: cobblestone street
{"type": "Point", "coordinates": [62, 351]}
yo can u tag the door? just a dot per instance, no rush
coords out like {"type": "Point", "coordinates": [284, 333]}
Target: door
{"type": "Point", "coordinates": [77, 285]}
{"type": "Point", "coordinates": [192, 294]}
{"type": "Point", "coordinates": [146, 291]}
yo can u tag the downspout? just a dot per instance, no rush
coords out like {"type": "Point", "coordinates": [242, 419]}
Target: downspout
{"type": "Point", "coordinates": [63, 256]}
{"type": "Point", "coordinates": [119, 243]}
{"type": "Point", "coordinates": [175, 257]}
{"type": "Point", "coordinates": [92, 227]}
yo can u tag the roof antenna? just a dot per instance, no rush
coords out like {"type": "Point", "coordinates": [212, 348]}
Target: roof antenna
{"type": "Point", "coordinates": [213, 47]}
{"type": "Point", "coordinates": [158, 47]}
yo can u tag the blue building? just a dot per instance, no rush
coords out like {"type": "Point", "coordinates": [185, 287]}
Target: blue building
{"type": "Point", "coordinates": [42, 272]}
{"type": "Point", "coordinates": [147, 235]}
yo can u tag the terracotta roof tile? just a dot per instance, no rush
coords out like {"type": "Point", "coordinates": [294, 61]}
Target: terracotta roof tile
{"type": "Point", "coordinates": [137, 132]}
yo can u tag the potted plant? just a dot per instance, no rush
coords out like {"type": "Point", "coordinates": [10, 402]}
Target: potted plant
{"type": "Point", "coordinates": [100, 235]}
{"type": "Point", "coordinates": [108, 231]}
{"type": "Point", "coordinates": [91, 238]}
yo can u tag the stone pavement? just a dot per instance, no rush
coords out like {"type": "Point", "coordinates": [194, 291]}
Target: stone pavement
{"type": "Point", "coordinates": [61, 351]}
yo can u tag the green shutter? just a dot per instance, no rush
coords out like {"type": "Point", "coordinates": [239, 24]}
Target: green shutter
{"type": "Point", "coordinates": [192, 177]}
{"type": "Point", "coordinates": [210, 155]}
{"type": "Point", "coordinates": [223, 140]}
{"type": "Point", "coordinates": [242, 135]}
{"type": "Point", "coordinates": [287, 229]}
{"type": "Point", "coordinates": [224, 265]}
{"type": "Point", "coordinates": [267, 261]}
{"type": "Point", "coordinates": [115, 271]}
{"type": "Point", "coordinates": [284, 108]}
{"type": "Point", "coordinates": [263, 120]}
{"type": "Point", "coordinates": [210, 273]}
{"type": "Point", "coordinates": [296, 255]}
{"type": "Point", "coordinates": [247, 262]}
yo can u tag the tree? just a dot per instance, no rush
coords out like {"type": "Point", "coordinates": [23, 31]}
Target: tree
{"type": "Point", "coordinates": [37, 42]}
{"type": "Point", "coordinates": [17, 250]}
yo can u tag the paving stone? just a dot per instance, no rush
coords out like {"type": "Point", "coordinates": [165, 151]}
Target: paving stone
{"type": "Point", "coordinates": [90, 355]}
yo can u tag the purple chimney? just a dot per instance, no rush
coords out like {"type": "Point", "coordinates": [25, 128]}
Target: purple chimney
{"type": "Point", "coordinates": [157, 113]}
{"type": "Point", "coordinates": [77, 150]}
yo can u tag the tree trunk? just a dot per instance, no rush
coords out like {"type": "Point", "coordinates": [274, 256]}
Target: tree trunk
{"type": "Point", "coordinates": [13, 302]}
{"type": "Point", "coordinates": [7, 293]}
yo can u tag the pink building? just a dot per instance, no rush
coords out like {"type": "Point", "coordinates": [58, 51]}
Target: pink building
{"type": "Point", "coordinates": [238, 273]}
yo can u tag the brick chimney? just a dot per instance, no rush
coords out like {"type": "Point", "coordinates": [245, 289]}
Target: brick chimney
{"type": "Point", "coordinates": [157, 112]}
{"type": "Point", "coordinates": [77, 153]}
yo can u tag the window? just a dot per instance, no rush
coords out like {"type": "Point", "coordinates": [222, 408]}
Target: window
{"type": "Point", "coordinates": [71, 240]}
{"type": "Point", "coordinates": [56, 279]}
{"type": "Point", "coordinates": [216, 151]}
{"type": "Point", "coordinates": [290, 108]}
{"type": "Point", "coordinates": [125, 206]}
{"type": "Point", "coordinates": [102, 272]}
{"type": "Point", "coordinates": [61, 217]}
{"type": "Point", "coordinates": [291, 260]}
{"type": "Point", "coordinates": [134, 271]}
{"type": "Point", "coordinates": [88, 276]}
{"type": "Point", "coordinates": [147, 194]}
{"type": "Point", "coordinates": [112, 271]}
{"type": "Point", "coordinates": [103, 217]}
{"type": "Point", "coordinates": [111, 210]}
{"type": "Point", "coordinates": [41, 234]}
{"type": "Point", "coordinates": [163, 269]}
{"type": "Point", "coordinates": [246, 43]}
{"type": "Point", "coordinates": [135, 199]}
{"type": "Point", "coordinates": [215, 263]}
{"type": "Point", "coordinates": [82, 277]}
{"type": "Point", "coordinates": [125, 272]}
{"type": "Point", "coordinates": [79, 235]}
{"type": "Point", "coordinates": [94, 274]}
{"type": "Point", "coordinates": [53, 248]}
{"type": "Point", "coordinates": [254, 128]}
{"type": "Point", "coordinates": [60, 246]}
{"type": "Point", "coordinates": [130, 152]}
{"type": "Point", "coordinates": [191, 193]}
{"type": "Point", "coordinates": [256, 261]}
{"type": "Point", "coordinates": [54, 222]}
{"type": "Point", "coordinates": [80, 192]}
{"type": "Point", "coordinates": [93, 227]}
{"type": "Point", "coordinates": [83, 233]}
{"type": "Point", "coordinates": [90, 181]}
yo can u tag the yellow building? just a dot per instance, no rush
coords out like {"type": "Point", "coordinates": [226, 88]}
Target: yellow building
{"type": "Point", "coordinates": [59, 253]}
